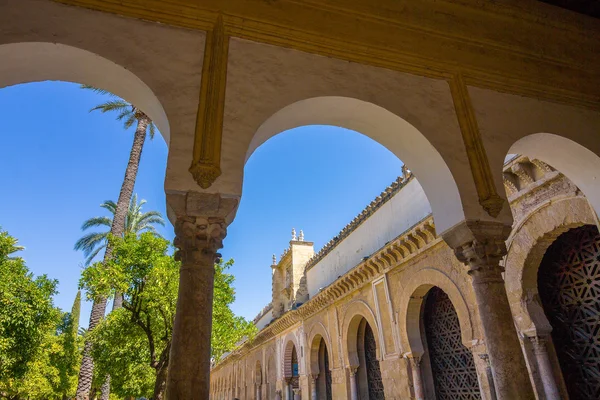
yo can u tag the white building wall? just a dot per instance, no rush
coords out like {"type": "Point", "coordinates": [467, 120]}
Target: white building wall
{"type": "Point", "coordinates": [264, 320]}
{"type": "Point", "coordinates": [405, 209]}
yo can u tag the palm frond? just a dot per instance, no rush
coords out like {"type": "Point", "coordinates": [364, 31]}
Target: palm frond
{"type": "Point", "coordinates": [97, 90]}
{"type": "Point", "coordinates": [109, 205]}
{"type": "Point", "coordinates": [93, 254]}
{"type": "Point", "coordinates": [89, 242]}
{"type": "Point", "coordinates": [112, 105]}
{"type": "Point", "coordinates": [152, 130]}
{"type": "Point", "coordinates": [130, 121]}
{"type": "Point", "coordinates": [96, 221]}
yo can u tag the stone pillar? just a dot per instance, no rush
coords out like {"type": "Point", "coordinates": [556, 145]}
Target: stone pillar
{"type": "Point", "coordinates": [480, 246]}
{"type": "Point", "coordinates": [197, 240]}
{"type": "Point", "coordinates": [313, 392]}
{"type": "Point", "coordinates": [415, 367]}
{"type": "Point", "coordinates": [296, 394]}
{"type": "Point", "coordinates": [258, 392]}
{"type": "Point", "coordinates": [278, 395]}
{"type": "Point", "coordinates": [540, 350]}
{"type": "Point", "coordinates": [353, 383]}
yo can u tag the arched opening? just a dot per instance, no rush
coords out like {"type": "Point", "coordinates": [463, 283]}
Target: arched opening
{"type": "Point", "coordinates": [294, 380]}
{"type": "Point", "coordinates": [569, 290]}
{"type": "Point", "coordinates": [579, 164]}
{"type": "Point", "coordinates": [369, 381]}
{"type": "Point", "coordinates": [452, 365]}
{"type": "Point", "coordinates": [323, 381]}
{"type": "Point", "coordinates": [258, 380]}
{"type": "Point", "coordinates": [39, 61]}
{"type": "Point", "coordinates": [393, 132]}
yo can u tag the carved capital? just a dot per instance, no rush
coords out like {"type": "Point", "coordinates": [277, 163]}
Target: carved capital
{"type": "Point", "coordinates": [415, 361]}
{"type": "Point", "coordinates": [485, 357]}
{"type": "Point", "coordinates": [539, 344]}
{"type": "Point", "coordinates": [480, 246]}
{"type": "Point", "coordinates": [352, 370]}
{"type": "Point", "coordinates": [482, 257]}
{"type": "Point", "coordinates": [197, 239]}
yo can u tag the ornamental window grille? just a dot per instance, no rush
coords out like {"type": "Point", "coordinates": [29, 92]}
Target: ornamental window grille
{"type": "Point", "coordinates": [569, 288]}
{"type": "Point", "coordinates": [452, 364]}
{"type": "Point", "coordinates": [374, 381]}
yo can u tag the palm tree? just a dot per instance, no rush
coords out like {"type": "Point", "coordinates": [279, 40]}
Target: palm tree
{"type": "Point", "coordinates": [130, 115]}
{"type": "Point", "coordinates": [136, 222]}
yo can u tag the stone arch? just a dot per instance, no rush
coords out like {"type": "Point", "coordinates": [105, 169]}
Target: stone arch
{"type": "Point", "coordinates": [576, 162]}
{"type": "Point", "coordinates": [355, 313]}
{"type": "Point", "coordinates": [411, 304]}
{"type": "Point", "coordinates": [291, 342]}
{"type": "Point", "coordinates": [317, 332]}
{"type": "Point", "coordinates": [40, 61]}
{"type": "Point", "coordinates": [526, 248]}
{"type": "Point", "coordinates": [386, 128]}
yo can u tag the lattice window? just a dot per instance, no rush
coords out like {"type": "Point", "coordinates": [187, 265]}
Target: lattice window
{"type": "Point", "coordinates": [569, 286]}
{"type": "Point", "coordinates": [374, 382]}
{"type": "Point", "coordinates": [452, 364]}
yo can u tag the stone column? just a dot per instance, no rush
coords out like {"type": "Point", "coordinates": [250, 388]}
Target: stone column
{"type": "Point", "coordinates": [258, 392]}
{"type": "Point", "coordinates": [540, 350]}
{"type": "Point", "coordinates": [415, 367]}
{"type": "Point", "coordinates": [296, 394]}
{"type": "Point", "coordinates": [197, 240]}
{"type": "Point", "coordinates": [489, 376]}
{"type": "Point", "coordinates": [313, 380]}
{"type": "Point", "coordinates": [480, 246]}
{"type": "Point", "coordinates": [353, 387]}
{"type": "Point", "coordinates": [278, 395]}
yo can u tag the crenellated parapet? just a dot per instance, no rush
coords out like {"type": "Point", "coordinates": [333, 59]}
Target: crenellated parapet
{"type": "Point", "coordinates": [369, 210]}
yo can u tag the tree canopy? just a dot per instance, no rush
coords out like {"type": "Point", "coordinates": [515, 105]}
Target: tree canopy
{"type": "Point", "coordinates": [132, 344]}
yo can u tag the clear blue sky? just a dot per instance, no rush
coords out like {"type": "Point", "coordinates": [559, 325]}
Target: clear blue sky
{"type": "Point", "coordinates": [59, 162]}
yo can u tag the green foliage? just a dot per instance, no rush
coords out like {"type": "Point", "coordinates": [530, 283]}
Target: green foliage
{"type": "Point", "coordinates": [39, 346]}
{"type": "Point", "coordinates": [26, 311]}
{"type": "Point", "coordinates": [132, 344]}
{"type": "Point", "coordinates": [136, 221]}
{"type": "Point", "coordinates": [228, 329]}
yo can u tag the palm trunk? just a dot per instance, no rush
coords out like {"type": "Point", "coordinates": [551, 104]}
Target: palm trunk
{"type": "Point", "coordinates": [117, 229]}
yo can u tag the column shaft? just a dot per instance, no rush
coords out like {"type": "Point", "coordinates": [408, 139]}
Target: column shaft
{"type": "Point", "coordinates": [415, 367]}
{"type": "Point", "coordinates": [480, 246]}
{"type": "Point", "coordinates": [353, 387]}
{"type": "Point", "coordinates": [189, 368]}
{"type": "Point", "coordinates": [540, 350]}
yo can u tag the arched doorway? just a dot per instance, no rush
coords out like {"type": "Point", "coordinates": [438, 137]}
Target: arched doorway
{"type": "Point", "coordinates": [323, 382]}
{"type": "Point", "coordinates": [452, 364]}
{"type": "Point", "coordinates": [569, 288]}
{"type": "Point", "coordinates": [369, 373]}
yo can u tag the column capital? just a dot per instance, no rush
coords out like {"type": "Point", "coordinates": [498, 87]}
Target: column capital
{"type": "Point", "coordinates": [538, 343]}
{"type": "Point", "coordinates": [352, 369]}
{"type": "Point", "coordinates": [196, 236]}
{"type": "Point", "coordinates": [480, 245]}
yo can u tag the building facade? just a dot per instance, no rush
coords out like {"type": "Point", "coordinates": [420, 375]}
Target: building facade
{"type": "Point", "coordinates": [386, 309]}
